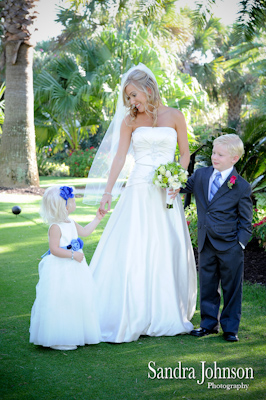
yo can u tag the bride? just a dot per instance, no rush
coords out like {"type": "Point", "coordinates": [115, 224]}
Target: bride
{"type": "Point", "coordinates": [144, 265]}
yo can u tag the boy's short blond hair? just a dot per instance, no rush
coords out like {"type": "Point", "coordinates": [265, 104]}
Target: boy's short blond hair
{"type": "Point", "coordinates": [232, 142]}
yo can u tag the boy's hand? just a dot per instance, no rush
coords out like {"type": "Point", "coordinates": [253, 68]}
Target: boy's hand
{"type": "Point", "coordinates": [78, 256]}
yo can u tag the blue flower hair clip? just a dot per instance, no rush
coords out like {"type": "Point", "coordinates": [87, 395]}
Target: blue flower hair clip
{"type": "Point", "coordinates": [66, 192]}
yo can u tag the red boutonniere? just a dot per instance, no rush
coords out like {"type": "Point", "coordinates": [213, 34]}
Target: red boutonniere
{"type": "Point", "coordinates": [231, 182]}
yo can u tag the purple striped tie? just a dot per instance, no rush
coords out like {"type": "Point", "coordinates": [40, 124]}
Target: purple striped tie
{"type": "Point", "coordinates": [215, 185]}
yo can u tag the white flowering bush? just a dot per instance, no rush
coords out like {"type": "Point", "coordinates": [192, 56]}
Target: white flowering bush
{"type": "Point", "coordinates": [171, 175]}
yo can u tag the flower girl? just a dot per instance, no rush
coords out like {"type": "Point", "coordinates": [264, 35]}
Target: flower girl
{"type": "Point", "coordinates": [64, 313]}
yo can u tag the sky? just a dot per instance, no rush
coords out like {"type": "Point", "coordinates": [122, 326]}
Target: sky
{"type": "Point", "coordinates": [224, 9]}
{"type": "Point", "coordinates": [45, 22]}
{"type": "Point", "coordinates": [48, 28]}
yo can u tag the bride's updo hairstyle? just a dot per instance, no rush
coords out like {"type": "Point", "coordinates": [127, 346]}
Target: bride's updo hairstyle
{"type": "Point", "coordinates": [145, 83]}
{"type": "Point", "coordinates": [53, 207]}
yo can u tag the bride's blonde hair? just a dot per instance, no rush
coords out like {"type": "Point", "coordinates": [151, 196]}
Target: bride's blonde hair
{"type": "Point", "coordinates": [145, 83]}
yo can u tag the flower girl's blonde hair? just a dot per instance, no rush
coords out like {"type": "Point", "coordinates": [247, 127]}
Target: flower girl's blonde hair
{"type": "Point", "coordinates": [144, 82]}
{"type": "Point", "coordinates": [53, 207]}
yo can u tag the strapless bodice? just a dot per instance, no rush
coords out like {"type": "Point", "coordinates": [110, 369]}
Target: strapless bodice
{"type": "Point", "coordinates": [151, 147]}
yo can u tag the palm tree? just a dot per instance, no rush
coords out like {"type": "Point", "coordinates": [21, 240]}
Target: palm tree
{"type": "Point", "coordinates": [82, 86]}
{"type": "Point", "coordinates": [200, 56]}
{"type": "Point", "coordinates": [17, 154]}
{"type": "Point", "coordinates": [239, 79]}
{"type": "Point", "coordinates": [252, 17]}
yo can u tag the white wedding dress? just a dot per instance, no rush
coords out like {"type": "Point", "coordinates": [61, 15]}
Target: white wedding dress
{"type": "Point", "coordinates": [144, 264]}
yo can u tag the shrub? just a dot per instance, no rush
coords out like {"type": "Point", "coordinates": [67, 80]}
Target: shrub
{"type": "Point", "coordinates": [53, 169]}
{"type": "Point", "coordinates": [47, 167]}
{"type": "Point", "coordinates": [259, 226]}
{"type": "Point", "coordinates": [60, 169]}
{"type": "Point", "coordinates": [80, 161]}
{"type": "Point", "coordinates": [192, 220]}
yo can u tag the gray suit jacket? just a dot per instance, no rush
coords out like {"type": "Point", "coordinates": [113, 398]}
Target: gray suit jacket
{"type": "Point", "coordinates": [227, 218]}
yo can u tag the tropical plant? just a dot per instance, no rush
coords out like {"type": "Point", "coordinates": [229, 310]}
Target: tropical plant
{"type": "Point", "coordinates": [75, 94]}
{"type": "Point", "coordinates": [64, 102]}
{"type": "Point", "coordinates": [252, 17]}
{"type": "Point", "coordinates": [252, 165]}
{"type": "Point", "coordinates": [239, 78]}
{"type": "Point", "coordinates": [226, 66]}
{"type": "Point", "coordinates": [259, 226]}
{"type": "Point", "coordinates": [201, 56]}
{"type": "Point", "coordinates": [17, 153]}
{"type": "Point", "coordinates": [85, 18]}
{"type": "Point", "coordinates": [48, 168]}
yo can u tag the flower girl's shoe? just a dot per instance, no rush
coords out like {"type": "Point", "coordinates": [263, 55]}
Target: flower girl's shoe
{"type": "Point", "coordinates": [63, 347]}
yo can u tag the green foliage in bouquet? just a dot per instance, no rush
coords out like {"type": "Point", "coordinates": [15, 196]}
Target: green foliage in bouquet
{"type": "Point", "coordinates": [170, 175]}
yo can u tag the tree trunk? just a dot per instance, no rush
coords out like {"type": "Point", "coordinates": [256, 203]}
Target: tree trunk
{"type": "Point", "coordinates": [234, 110]}
{"type": "Point", "coordinates": [18, 162]}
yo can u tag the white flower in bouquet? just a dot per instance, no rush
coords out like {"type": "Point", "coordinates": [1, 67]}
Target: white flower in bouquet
{"type": "Point", "coordinates": [170, 176]}
{"type": "Point", "coordinates": [176, 185]}
{"type": "Point", "coordinates": [183, 176]}
{"type": "Point", "coordinates": [171, 180]}
{"type": "Point", "coordinates": [162, 170]}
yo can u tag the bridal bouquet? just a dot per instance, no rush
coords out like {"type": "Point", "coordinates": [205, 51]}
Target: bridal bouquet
{"type": "Point", "coordinates": [170, 176]}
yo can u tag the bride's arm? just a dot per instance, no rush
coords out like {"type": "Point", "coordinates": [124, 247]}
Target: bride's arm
{"type": "Point", "coordinates": [182, 139]}
{"type": "Point", "coordinates": [117, 165]}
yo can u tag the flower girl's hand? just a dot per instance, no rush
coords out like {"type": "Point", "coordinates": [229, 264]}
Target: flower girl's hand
{"type": "Point", "coordinates": [78, 256]}
{"type": "Point", "coordinates": [100, 214]}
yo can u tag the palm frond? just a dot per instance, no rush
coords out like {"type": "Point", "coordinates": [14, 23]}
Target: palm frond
{"type": "Point", "coordinates": [252, 17]}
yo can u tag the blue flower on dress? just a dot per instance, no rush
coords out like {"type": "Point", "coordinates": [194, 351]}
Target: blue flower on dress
{"type": "Point", "coordinates": [76, 244]}
{"type": "Point", "coordinates": [66, 192]}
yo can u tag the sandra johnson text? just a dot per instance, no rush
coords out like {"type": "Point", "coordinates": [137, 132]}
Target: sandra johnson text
{"type": "Point", "coordinates": [207, 372]}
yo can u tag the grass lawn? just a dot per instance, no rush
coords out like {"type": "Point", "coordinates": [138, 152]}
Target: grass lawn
{"type": "Point", "coordinates": [106, 371]}
{"type": "Point", "coordinates": [46, 181]}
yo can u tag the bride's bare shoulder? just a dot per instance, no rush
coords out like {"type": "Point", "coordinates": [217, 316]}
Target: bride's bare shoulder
{"type": "Point", "coordinates": [127, 125]}
{"type": "Point", "coordinates": [174, 112]}
{"type": "Point", "coordinates": [128, 121]}
{"type": "Point", "coordinates": [131, 123]}
{"type": "Point", "coordinates": [170, 116]}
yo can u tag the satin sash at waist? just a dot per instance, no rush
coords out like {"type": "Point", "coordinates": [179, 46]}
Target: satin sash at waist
{"type": "Point", "coordinates": [75, 245]}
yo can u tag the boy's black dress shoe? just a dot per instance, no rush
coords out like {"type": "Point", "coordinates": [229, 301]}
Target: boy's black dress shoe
{"type": "Point", "coordinates": [231, 337]}
{"type": "Point", "coordinates": [202, 332]}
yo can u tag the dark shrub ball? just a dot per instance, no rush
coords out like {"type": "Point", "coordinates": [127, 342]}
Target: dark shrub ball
{"type": "Point", "coordinates": [16, 210]}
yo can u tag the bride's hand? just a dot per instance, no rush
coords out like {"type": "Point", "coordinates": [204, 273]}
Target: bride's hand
{"type": "Point", "coordinates": [173, 193]}
{"type": "Point", "coordinates": [106, 199]}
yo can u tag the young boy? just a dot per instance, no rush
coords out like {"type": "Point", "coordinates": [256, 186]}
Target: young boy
{"type": "Point", "coordinates": [224, 210]}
